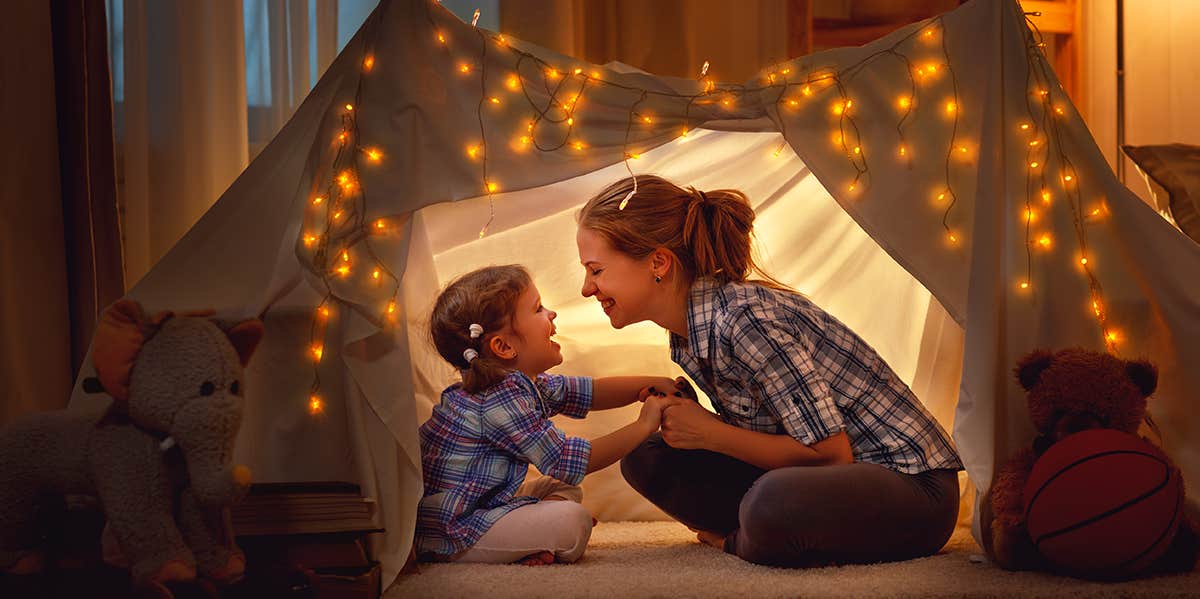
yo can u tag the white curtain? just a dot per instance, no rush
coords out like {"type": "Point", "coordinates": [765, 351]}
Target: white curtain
{"type": "Point", "coordinates": [199, 88]}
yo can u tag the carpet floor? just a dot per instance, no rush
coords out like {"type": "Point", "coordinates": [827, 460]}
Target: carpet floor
{"type": "Point", "coordinates": [664, 559]}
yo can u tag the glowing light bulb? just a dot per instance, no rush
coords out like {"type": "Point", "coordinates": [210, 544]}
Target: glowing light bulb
{"type": "Point", "coordinates": [793, 103]}
{"type": "Point", "coordinates": [1112, 337]}
{"type": "Point", "coordinates": [345, 256]}
{"type": "Point", "coordinates": [851, 187]}
{"type": "Point", "coordinates": [315, 405]}
{"type": "Point", "coordinates": [1096, 307]}
{"type": "Point", "coordinates": [951, 107]}
{"type": "Point", "coordinates": [343, 270]}
{"type": "Point", "coordinates": [633, 155]}
{"type": "Point", "coordinates": [578, 145]}
{"type": "Point", "coordinates": [492, 187]}
{"type": "Point", "coordinates": [337, 215]}
{"type": "Point", "coordinates": [1024, 126]}
{"type": "Point", "coordinates": [962, 149]}
{"type": "Point", "coordinates": [323, 312]}
{"type": "Point", "coordinates": [317, 351]}
{"type": "Point", "coordinates": [349, 107]}
{"type": "Point", "coordinates": [494, 100]}
{"type": "Point", "coordinates": [684, 134]}
{"type": "Point", "coordinates": [904, 102]}
{"type": "Point", "coordinates": [441, 38]}
{"type": "Point", "coordinates": [1044, 240]}
{"type": "Point", "coordinates": [578, 71]}
{"type": "Point", "coordinates": [1034, 142]}
{"type": "Point", "coordinates": [1083, 261]}
{"type": "Point", "coordinates": [786, 71]}
{"type": "Point", "coordinates": [309, 240]}
{"type": "Point", "coordinates": [374, 155]}
{"type": "Point", "coordinates": [928, 34]}
{"type": "Point", "coordinates": [952, 237]}
{"type": "Point", "coordinates": [512, 82]}
{"type": "Point", "coordinates": [857, 150]}
{"type": "Point", "coordinates": [1067, 178]}
{"type": "Point", "coordinates": [375, 274]}
{"type": "Point", "coordinates": [1033, 164]}
{"type": "Point", "coordinates": [1046, 196]}
{"type": "Point", "coordinates": [903, 150]}
{"type": "Point", "coordinates": [317, 200]}
{"type": "Point", "coordinates": [941, 196]}
{"type": "Point", "coordinates": [1029, 215]}
{"type": "Point", "coordinates": [839, 108]}
{"type": "Point", "coordinates": [368, 63]}
{"type": "Point", "coordinates": [391, 309]}
{"type": "Point", "coordinates": [342, 137]}
{"type": "Point", "coordinates": [806, 90]}
{"type": "Point", "coordinates": [552, 73]}
{"type": "Point", "coordinates": [380, 224]}
{"type": "Point", "coordinates": [647, 120]}
{"type": "Point", "coordinates": [1024, 284]}
{"type": "Point", "coordinates": [472, 151]}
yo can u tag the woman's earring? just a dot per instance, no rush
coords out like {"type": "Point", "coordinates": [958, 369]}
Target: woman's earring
{"type": "Point", "coordinates": [657, 279]}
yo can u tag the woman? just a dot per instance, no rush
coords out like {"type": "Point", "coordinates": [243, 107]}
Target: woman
{"type": "Point", "coordinates": [818, 452]}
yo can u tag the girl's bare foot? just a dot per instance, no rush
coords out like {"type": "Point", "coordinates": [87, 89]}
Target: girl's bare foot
{"type": "Point", "coordinates": [542, 558]}
{"type": "Point", "coordinates": [711, 538]}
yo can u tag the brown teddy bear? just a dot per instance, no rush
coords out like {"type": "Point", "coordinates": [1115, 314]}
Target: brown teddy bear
{"type": "Point", "coordinates": [1070, 391]}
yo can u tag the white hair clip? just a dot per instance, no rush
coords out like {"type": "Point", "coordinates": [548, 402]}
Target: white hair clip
{"type": "Point", "coordinates": [470, 354]}
{"type": "Point", "coordinates": [476, 330]}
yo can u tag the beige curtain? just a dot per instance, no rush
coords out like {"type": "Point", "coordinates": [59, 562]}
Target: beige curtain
{"type": "Point", "coordinates": [34, 339]}
{"type": "Point", "coordinates": [665, 37]}
{"type": "Point", "coordinates": [60, 254]}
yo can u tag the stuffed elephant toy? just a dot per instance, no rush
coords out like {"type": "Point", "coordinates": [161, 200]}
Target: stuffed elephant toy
{"type": "Point", "coordinates": [159, 459]}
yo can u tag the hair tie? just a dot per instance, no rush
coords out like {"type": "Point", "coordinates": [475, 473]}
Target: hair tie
{"type": "Point", "coordinates": [476, 330]}
{"type": "Point", "coordinates": [703, 198]}
{"type": "Point", "coordinates": [470, 354]}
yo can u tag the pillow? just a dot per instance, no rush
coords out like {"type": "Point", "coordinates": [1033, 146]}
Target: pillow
{"type": "Point", "coordinates": [1173, 173]}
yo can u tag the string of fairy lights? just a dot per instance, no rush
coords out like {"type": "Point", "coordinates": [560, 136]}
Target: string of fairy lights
{"type": "Point", "coordinates": [337, 238]}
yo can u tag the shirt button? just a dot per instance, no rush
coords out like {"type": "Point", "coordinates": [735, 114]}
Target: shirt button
{"type": "Point", "coordinates": [745, 408]}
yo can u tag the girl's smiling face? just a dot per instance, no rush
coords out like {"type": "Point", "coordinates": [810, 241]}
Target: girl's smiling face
{"type": "Point", "coordinates": [623, 285]}
{"type": "Point", "coordinates": [533, 327]}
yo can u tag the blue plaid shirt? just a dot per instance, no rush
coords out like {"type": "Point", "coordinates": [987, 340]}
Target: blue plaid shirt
{"type": "Point", "coordinates": [475, 451]}
{"type": "Point", "coordinates": [771, 361]}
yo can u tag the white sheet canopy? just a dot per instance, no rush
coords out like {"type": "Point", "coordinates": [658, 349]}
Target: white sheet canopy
{"type": "Point", "coordinates": [861, 231]}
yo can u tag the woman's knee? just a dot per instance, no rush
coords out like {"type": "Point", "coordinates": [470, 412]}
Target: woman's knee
{"type": "Point", "coordinates": [774, 518]}
{"type": "Point", "coordinates": [643, 466]}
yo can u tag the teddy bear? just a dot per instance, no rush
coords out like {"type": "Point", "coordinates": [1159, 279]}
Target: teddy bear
{"type": "Point", "coordinates": [1070, 391]}
{"type": "Point", "coordinates": [159, 458]}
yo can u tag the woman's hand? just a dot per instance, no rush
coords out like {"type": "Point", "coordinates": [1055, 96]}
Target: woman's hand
{"type": "Point", "coordinates": [687, 425]}
{"type": "Point", "coordinates": [664, 386]}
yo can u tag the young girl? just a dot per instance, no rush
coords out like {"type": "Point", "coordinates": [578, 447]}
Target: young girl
{"type": "Point", "coordinates": [820, 452]}
{"type": "Point", "coordinates": [477, 445]}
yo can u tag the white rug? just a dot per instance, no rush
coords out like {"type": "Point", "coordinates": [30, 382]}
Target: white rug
{"type": "Point", "coordinates": [663, 559]}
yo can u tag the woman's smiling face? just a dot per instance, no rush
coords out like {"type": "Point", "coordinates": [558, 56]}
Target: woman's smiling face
{"type": "Point", "coordinates": [623, 285]}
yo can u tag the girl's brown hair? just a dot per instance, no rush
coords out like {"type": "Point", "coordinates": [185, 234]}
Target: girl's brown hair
{"type": "Point", "coordinates": [487, 297]}
{"type": "Point", "coordinates": [709, 231]}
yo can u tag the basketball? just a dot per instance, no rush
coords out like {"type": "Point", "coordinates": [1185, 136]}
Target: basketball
{"type": "Point", "coordinates": [1103, 504]}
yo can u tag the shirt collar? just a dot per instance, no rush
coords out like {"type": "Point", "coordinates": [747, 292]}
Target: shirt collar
{"type": "Point", "coordinates": [702, 307]}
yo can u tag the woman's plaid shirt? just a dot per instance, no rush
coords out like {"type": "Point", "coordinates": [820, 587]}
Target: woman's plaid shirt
{"type": "Point", "coordinates": [772, 361]}
{"type": "Point", "coordinates": [475, 451]}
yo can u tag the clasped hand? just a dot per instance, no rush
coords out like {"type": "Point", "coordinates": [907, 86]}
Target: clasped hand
{"type": "Point", "coordinates": [684, 422]}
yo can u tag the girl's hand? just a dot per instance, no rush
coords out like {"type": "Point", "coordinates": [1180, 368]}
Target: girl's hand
{"type": "Point", "coordinates": [687, 425]}
{"type": "Point", "coordinates": [652, 411]}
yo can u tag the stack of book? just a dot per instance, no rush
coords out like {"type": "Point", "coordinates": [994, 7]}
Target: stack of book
{"type": "Point", "coordinates": [308, 535]}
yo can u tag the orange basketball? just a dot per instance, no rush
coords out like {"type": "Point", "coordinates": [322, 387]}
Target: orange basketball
{"type": "Point", "coordinates": [1103, 504]}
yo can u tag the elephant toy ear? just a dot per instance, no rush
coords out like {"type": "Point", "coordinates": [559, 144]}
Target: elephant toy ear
{"type": "Point", "coordinates": [1029, 369]}
{"type": "Point", "coordinates": [119, 338]}
{"type": "Point", "coordinates": [245, 337]}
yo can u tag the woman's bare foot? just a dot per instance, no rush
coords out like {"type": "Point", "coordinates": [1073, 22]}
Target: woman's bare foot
{"type": "Point", "coordinates": [711, 539]}
{"type": "Point", "coordinates": [542, 558]}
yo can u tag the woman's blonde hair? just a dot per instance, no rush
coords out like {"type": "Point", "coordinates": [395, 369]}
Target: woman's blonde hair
{"type": "Point", "coordinates": [486, 297]}
{"type": "Point", "coordinates": [709, 231]}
